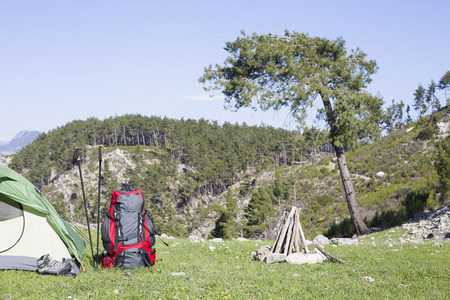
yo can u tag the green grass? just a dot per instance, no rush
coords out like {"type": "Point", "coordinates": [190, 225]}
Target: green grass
{"type": "Point", "coordinates": [420, 271]}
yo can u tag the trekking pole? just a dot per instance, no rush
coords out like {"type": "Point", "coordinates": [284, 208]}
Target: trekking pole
{"type": "Point", "coordinates": [98, 204]}
{"type": "Point", "coordinates": [76, 159]}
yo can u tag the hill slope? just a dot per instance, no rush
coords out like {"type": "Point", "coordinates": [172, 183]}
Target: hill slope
{"type": "Point", "coordinates": [205, 179]}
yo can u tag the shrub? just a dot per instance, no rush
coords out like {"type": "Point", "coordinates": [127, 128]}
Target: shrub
{"type": "Point", "coordinates": [343, 229]}
{"type": "Point", "coordinates": [324, 162]}
{"type": "Point", "coordinates": [427, 133]}
{"type": "Point", "coordinates": [388, 218]}
{"type": "Point", "coordinates": [325, 200]}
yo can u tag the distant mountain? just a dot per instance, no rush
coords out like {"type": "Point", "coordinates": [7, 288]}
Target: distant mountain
{"type": "Point", "coordinates": [19, 141]}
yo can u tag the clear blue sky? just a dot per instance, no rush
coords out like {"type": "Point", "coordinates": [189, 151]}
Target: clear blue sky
{"type": "Point", "coordinates": [67, 60]}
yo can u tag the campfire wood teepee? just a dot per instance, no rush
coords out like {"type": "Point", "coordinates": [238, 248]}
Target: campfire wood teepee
{"type": "Point", "coordinates": [290, 237]}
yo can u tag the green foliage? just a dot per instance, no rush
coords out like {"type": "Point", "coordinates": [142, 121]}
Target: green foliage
{"type": "Point", "coordinates": [427, 133]}
{"type": "Point", "coordinates": [344, 228]}
{"type": "Point", "coordinates": [325, 200]}
{"type": "Point", "coordinates": [291, 70]}
{"type": "Point", "coordinates": [421, 196]}
{"type": "Point", "coordinates": [320, 203]}
{"type": "Point", "coordinates": [227, 225]}
{"type": "Point", "coordinates": [389, 218]}
{"type": "Point", "coordinates": [442, 163]}
{"type": "Point", "coordinates": [259, 213]}
{"type": "Point", "coordinates": [419, 101]}
{"type": "Point", "coordinates": [324, 162]}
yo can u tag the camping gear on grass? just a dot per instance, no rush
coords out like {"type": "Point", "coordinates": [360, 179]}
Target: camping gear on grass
{"type": "Point", "coordinates": [30, 227]}
{"type": "Point", "coordinates": [128, 232]}
{"type": "Point", "coordinates": [49, 266]}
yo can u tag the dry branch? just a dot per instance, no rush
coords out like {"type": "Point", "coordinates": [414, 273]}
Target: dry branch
{"type": "Point", "coordinates": [328, 254]}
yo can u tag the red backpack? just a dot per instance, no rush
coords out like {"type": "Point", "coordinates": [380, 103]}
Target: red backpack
{"type": "Point", "coordinates": [128, 232]}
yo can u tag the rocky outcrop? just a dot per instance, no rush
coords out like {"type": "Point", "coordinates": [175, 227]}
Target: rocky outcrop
{"type": "Point", "coordinates": [430, 225]}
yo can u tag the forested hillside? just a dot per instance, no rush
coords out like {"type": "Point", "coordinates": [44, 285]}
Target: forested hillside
{"type": "Point", "coordinates": [199, 177]}
{"type": "Point", "coordinates": [175, 162]}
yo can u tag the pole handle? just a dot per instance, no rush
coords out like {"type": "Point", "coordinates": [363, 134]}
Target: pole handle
{"type": "Point", "coordinates": [76, 156]}
{"type": "Point", "coordinates": [100, 153]}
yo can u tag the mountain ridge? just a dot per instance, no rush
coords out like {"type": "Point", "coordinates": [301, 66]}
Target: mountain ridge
{"type": "Point", "coordinates": [17, 142]}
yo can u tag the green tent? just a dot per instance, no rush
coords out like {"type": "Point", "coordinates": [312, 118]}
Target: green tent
{"type": "Point", "coordinates": [30, 227]}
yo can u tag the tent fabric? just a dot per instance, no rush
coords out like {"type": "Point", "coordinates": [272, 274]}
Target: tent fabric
{"type": "Point", "coordinates": [37, 239]}
{"type": "Point", "coordinates": [17, 188]}
{"type": "Point", "coordinates": [18, 262]}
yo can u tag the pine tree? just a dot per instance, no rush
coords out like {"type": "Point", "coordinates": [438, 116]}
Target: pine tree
{"type": "Point", "coordinates": [419, 101]}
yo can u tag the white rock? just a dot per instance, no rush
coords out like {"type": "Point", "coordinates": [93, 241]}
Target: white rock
{"type": "Point", "coordinates": [300, 258]}
{"type": "Point", "coordinates": [275, 257]}
{"type": "Point", "coordinates": [321, 240]}
{"type": "Point", "coordinates": [380, 174]}
{"type": "Point", "coordinates": [308, 243]}
{"type": "Point", "coordinates": [344, 241]}
{"type": "Point", "coordinates": [262, 252]}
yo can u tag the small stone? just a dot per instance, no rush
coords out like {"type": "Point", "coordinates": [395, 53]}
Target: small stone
{"type": "Point", "coordinates": [321, 240]}
{"type": "Point", "coordinates": [262, 252]}
{"type": "Point", "coordinates": [344, 241]}
{"type": "Point", "coordinates": [368, 278]}
{"type": "Point", "coordinates": [275, 257]}
{"type": "Point", "coordinates": [380, 174]}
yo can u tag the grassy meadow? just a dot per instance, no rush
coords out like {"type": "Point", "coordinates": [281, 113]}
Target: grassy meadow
{"type": "Point", "coordinates": [207, 270]}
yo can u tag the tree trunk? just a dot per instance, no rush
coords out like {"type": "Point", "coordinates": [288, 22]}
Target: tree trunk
{"type": "Point", "coordinates": [350, 195]}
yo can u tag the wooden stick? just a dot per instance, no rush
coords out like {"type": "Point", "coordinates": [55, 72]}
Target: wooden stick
{"type": "Point", "coordinates": [289, 233]}
{"type": "Point", "coordinates": [328, 254]}
{"type": "Point", "coordinates": [302, 235]}
{"type": "Point", "coordinates": [283, 233]}
{"type": "Point", "coordinates": [283, 221]}
{"type": "Point", "coordinates": [295, 235]}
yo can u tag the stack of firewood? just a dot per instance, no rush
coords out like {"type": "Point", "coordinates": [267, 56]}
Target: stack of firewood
{"type": "Point", "coordinates": [290, 237]}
